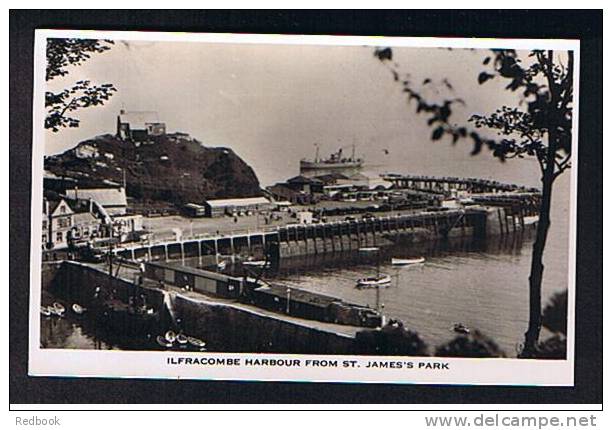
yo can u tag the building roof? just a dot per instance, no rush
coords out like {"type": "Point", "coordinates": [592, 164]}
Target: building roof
{"type": "Point", "coordinates": [298, 295]}
{"type": "Point", "coordinates": [53, 204]}
{"type": "Point", "coordinates": [139, 119]}
{"type": "Point", "coordinates": [331, 177]}
{"type": "Point", "coordinates": [107, 197]}
{"type": "Point", "coordinates": [193, 271]}
{"type": "Point", "coordinates": [194, 206]}
{"type": "Point", "coordinates": [78, 206]}
{"type": "Point", "coordinates": [219, 203]}
{"type": "Point", "coordinates": [300, 179]}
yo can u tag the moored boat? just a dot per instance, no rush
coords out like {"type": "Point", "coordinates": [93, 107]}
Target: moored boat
{"type": "Point", "coordinates": [407, 261]}
{"type": "Point", "coordinates": [57, 309]}
{"type": "Point", "coordinates": [181, 339]}
{"type": "Point", "coordinates": [78, 309]}
{"type": "Point", "coordinates": [170, 336]}
{"type": "Point", "coordinates": [196, 342]}
{"type": "Point", "coordinates": [336, 161]}
{"type": "Point", "coordinates": [460, 328]}
{"type": "Point", "coordinates": [161, 341]}
{"type": "Point", "coordinates": [256, 263]}
{"type": "Point", "coordinates": [369, 249]}
{"type": "Point", "coordinates": [44, 310]}
{"type": "Point", "coordinates": [381, 280]}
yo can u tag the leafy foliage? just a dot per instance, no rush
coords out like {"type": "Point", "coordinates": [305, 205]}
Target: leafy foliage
{"type": "Point", "coordinates": [546, 89]}
{"type": "Point", "coordinates": [540, 127]}
{"type": "Point", "coordinates": [62, 54]}
{"type": "Point", "coordinates": [391, 340]}
{"type": "Point", "coordinates": [553, 347]}
{"type": "Point", "coordinates": [554, 316]}
{"type": "Point", "coordinates": [475, 345]}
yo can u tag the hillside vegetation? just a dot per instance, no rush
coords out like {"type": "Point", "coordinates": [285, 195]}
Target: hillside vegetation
{"type": "Point", "coordinates": [172, 168]}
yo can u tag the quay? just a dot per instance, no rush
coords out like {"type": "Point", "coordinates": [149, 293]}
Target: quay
{"type": "Point", "coordinates": [220, 308]}
{"type": "Point", "coordinates": [507, 213]}
{"type": "Point", "coordinates": [221, 321]}
{"type": "Point", "coordinates": [446, 184]}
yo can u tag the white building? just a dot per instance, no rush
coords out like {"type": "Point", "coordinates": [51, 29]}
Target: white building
{"type": "Point", "coordinates": [112, 199]}
{"type": "Point", "coordinates": [366, 181]}
{"type": "Point", "coordinates": [220, 207]}
{"type": "Point", "coordinates": [139, 125]}
{"type": "Point", "coordinates": [86, 151]}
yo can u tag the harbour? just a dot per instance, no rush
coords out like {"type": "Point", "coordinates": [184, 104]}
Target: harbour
{"type": "Point", "coordinates": [346, 257]}
{"type": "Point", "coordinates": [416, 296]}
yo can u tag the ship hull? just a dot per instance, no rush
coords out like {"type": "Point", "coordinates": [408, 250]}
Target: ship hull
{"type": "Point", "coordinates": [309, 165]}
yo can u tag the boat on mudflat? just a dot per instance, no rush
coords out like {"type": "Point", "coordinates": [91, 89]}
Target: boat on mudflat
{"type": "Point", "coordinates": [369, 249]}
{"type": "Point", "coordinates": [170, 336]}
{"type": "Point", "coordinates": [256, 263]}
{"type": "Point", "coordinates": [460, 328]}
{"type": "Point", "coordinates": [161, 341]}
{"type": "Point", "coordinates": [57, 309]}
{"type": "Point", "coordinates": [193, 341]}
{"type": "Point", "coordinates": [78, 309]}
{"type": "Point", "coordinates": [407, 261]}
{"type": "Point", "coordinates": [374, 281]}
{"type": "Point", "coordinates": [182, 339]}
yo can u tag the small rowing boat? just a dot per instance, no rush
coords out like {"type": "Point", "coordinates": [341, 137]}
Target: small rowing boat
{"type": "Point", "coordinates": [170, 336]}
{"type": "Point", "coordinates": [161, 341]}
{"type": "Point", "coordinates": [460, 328]}
{"type": "Point", "coordinates": [78, 309]}
{"type": "Point", "coordinates": [221, 265]}
{"type": "Point", "coordinates": [181, 339]}
{"type": "Point", "coordinates": [374, 281]}
{"type": "Point", "coordinates": [256, 263]}
{"type": "Point", "coordinates": [407, 261]}
{"type": "Point", "coordinates": [369, 249]}
{"type": "Point", "coordinates": [58, 309]}
{"type": "Point", "coordinates": [200, 344]}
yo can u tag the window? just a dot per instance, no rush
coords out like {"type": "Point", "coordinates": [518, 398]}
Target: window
{"type": "Point", "coordinates": [44, 238]}
{"type": "Point", "coordinates": [63, 222]}
{"type": "Point", "coordinates": [59, 237]}
{"type": "Point", "coordinates": [44, 224]}
{"type": "Point", "coordinates": [62, 209]}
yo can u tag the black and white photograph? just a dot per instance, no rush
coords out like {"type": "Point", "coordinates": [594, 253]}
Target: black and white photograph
{"type": "Point", "coordinates": [304, 208]}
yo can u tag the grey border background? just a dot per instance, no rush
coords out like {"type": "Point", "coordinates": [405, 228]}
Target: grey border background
{"type": "Point", "coordinates": [583, 25]}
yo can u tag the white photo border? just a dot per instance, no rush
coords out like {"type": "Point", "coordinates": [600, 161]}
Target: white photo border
{"type": "Point", "coordinates": [154, 364]}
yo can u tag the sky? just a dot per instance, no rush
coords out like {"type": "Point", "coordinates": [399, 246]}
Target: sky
{"type": "Point", "coordinates": [270, 103]}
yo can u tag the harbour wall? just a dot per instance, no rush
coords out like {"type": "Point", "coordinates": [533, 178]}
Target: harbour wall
{"type": "Point", "coordinates": [234, 328]}
{"type": "Point", "coordinates": [225, 326]}
{"type": "Point", "coordinates": [505, 216]}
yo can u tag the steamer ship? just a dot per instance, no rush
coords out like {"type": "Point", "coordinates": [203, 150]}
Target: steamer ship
{"type": "Point", "coordinates": [337, 162]}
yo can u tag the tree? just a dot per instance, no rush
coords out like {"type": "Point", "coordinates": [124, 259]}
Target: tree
{"type": "Point", "coordinates": [475, 345]}
{"type": "Point", "coordinates": [540, 127]}
{"type": "Point", "coordinates": [62, 53]}
{"type": "Point", "coordinates": [393, 339]}
{"type": "Point", "coordinates": [554, 318]}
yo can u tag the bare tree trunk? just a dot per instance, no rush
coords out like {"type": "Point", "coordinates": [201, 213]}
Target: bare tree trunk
{"type": "Point", "coordinates": [532, 334]}
{"type": "Point", "coordinates": [537, 270]}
